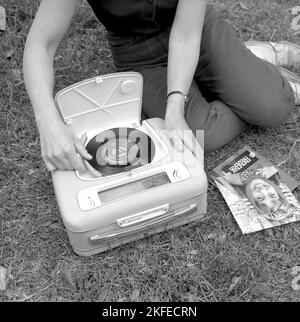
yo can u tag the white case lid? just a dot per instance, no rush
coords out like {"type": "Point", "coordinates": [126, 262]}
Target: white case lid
{"type": "Point", "coordinates": [102, 102]}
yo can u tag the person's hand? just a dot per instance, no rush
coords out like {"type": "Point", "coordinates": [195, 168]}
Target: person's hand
{"type": "Point", "coordinates": [60, 147]}
{"type": "Point", "coordinates": [180, 133]}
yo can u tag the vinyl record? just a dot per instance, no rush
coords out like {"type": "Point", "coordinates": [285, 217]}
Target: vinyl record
{"type": "Point", "coordinates": [120, 150]}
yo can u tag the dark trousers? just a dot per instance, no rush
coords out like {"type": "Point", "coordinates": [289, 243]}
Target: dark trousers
{"type": "Point", "coordinates": [231, 87]}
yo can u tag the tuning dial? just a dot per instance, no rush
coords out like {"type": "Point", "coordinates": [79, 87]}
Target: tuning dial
{"type": "Point", "coordinates": [128, 87]}
{"type": "Point", "coordinates": [177, 174]}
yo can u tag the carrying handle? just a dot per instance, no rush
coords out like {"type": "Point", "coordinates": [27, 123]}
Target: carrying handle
{"type": "Point", "coordinates": [139, 228]}
{"type": "Point", "coordinates": [143, 216]}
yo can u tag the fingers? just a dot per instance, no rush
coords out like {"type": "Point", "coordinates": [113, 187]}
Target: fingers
{"type": "Point", "coordinates": [52, 164]}
{"type": "Point", "coordinates": [79, 145]}
{"type": "Point", "coordinates": [190, 141]}
{"type": "Point", "coordinates": [63, 159]}
{"type": "Point", "coordinates": [56, 162]}
{"type": "Point", "coordinates": [61, 149]}
{"type": "Point", "coordinates": [92, 170]}
{"type": "Point", "coordinates": [54, 159]}
{"type": "Point", "coordinates": [61, 163]}
{"type": "Point", "coordinates": [176, 141]}
{"type": "Point", "coordinates": [76, 161]}
{"type": "Point", "coordinates": [78, 153]}
{"type": "Point", "coordinates": [83, 138]}
{"type": "Point", "coordinates": [182, 136]}
{"type": "Point", "coordinates": [49, 166]}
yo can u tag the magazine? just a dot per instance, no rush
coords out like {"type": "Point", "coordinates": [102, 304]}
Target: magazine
{"type": "Point", "coordinates": [257, 193]}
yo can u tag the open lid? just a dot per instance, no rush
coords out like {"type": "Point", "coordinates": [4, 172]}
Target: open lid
{"type": "Point", "coordinates": [102, 102]}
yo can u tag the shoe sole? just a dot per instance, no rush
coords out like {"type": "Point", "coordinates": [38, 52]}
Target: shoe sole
{"type": "Point", "coordinates": [289, 75]}
{"type": "Point", "coordinates": [297, 47]}
{"type": "Point", "coordinates": [293, 80]}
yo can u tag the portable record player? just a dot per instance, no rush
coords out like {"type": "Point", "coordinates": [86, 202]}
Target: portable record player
{"type": "Point", "coordinates": [137, 184]}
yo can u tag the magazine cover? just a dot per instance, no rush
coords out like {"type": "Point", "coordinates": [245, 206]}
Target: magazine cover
{"type": "Point", "coordinates": [255, 191]}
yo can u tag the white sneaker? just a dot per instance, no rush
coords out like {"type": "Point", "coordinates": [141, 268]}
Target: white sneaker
{"type": "Point", "coordinates": [283, 53]}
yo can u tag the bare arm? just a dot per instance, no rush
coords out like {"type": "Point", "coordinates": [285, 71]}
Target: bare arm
{"type": "Point", "coordinates": [58, 144]}
{"type": "Point", "coordinates": [184, 50]}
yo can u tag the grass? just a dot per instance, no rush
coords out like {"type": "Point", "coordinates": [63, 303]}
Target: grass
{"type": "Point", "coordinates": [209, 261]}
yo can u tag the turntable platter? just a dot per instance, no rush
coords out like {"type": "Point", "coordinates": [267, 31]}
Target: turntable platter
{"type": "Point", "coordinates": [120, 150]}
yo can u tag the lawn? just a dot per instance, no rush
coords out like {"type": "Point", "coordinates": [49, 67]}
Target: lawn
{"type": "Point", "coordinates": [207, 261]}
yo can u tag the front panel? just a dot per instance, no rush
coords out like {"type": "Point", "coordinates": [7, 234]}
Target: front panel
{"type": "Point", "coordinates": [104, 238]}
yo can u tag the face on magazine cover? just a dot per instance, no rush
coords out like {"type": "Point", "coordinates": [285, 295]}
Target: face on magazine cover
{"type": "Point", "coordinates": [267, 198]}
{"type": "Point", "coordinates": [265, 195]}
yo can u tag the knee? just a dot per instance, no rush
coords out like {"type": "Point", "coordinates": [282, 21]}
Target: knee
{"type": "Point", "coordinates": [275, 111]}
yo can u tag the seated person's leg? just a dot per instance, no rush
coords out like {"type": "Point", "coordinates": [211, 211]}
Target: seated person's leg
{"type": "Point", "coordinates": [254, 89]}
